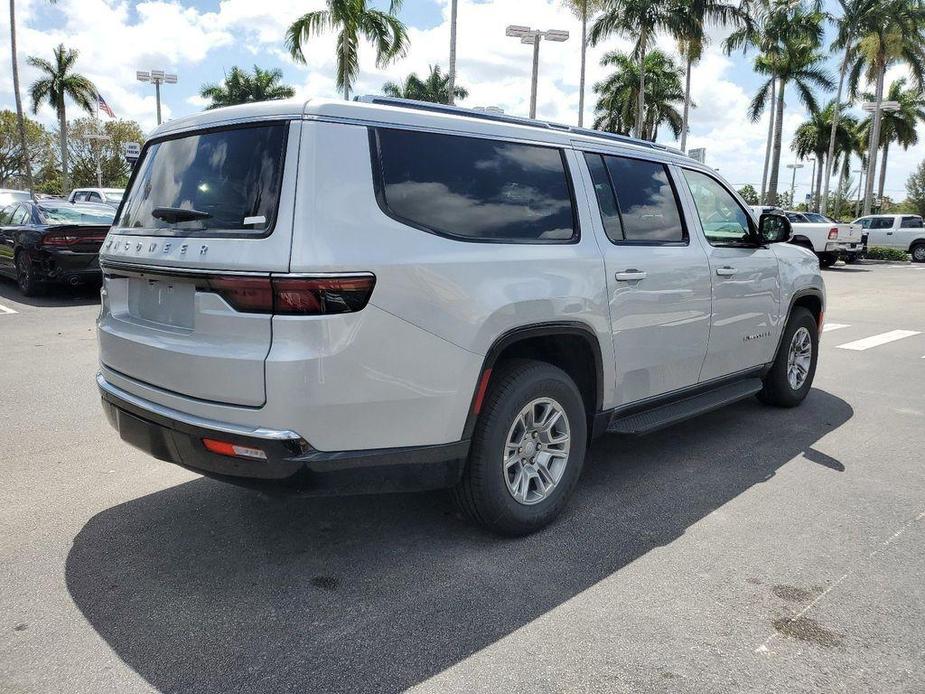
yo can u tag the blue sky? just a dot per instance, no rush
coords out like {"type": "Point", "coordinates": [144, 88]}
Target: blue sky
{"type": "Point", "coordinates": [201, 39]}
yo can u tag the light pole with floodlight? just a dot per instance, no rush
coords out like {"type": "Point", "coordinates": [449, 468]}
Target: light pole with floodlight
{"type": "Point", "coordinates": [793, 179]}
{"type": "Point", "coordinates": [533, 37]}
{"type": "Point", "coordinates": [157, 77]}
{"type": "Point", "coordinates": [874, 146]}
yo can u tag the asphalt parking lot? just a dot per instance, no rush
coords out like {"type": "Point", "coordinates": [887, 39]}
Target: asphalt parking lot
{"type": "Point", "coordinates": [752, 549]}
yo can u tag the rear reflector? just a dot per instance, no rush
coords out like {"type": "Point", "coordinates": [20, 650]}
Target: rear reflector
{"type": "Point", "coordinates": [480, 393]}
{"type": "Point", "coordinates": [233, 450]}
{"type": "Point", "coordinates": [833, 233]}
{"type": "Point", "coordinates": [304, 296]}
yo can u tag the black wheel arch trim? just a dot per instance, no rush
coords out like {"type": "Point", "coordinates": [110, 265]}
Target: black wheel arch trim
{"type": "Point", "coordinates": [526, 332]}
{"type": "Point", "coordinates": [917, 242]}
{"type": "Point", "coordinates": [797, 295]}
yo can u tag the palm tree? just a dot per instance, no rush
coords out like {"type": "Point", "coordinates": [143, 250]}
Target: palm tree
{"type": "Point", "coordinates": [639, 18]}
{"type": "Point", "coordinates": [242, 87]}
{"type": "Point", "coordinates": [59, 83]}
{"type": "Point", "coordinates": [617, 95]}
{"type": "Point", "coordinates": [691, 33]}
{"type": "Point", "coordinates": [774, 22]}
{"type": "Point", "coordinates": [895, 32]}
{"type": "Point", "coordinates": [351, 18]}
{"type": "Point", "coordinates": [434, 88]}
{"type": "Point", "coordinates": [583, 9]}
{"type": "Point", "coordinates": [854, 15]}
{"type": "Point", "coordinates": [896, 126]}
{"type": "Point", "coordinates": [812, 139]}
{"type": "Point", "coordinates": [451, 82]}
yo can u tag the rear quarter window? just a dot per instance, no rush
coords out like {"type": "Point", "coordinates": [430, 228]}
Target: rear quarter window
{"type": "Point", "coordinates": [474, 189]}
{"type": "Point", "coordinates": [213, 182]}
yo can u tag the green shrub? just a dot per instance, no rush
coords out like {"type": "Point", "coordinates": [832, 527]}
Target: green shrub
{"type": "Point", "coordinates": [880, 253]}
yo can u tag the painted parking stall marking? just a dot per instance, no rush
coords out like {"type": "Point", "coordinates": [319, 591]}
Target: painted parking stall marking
{"type": "Point", "coordinates": [877, 340]}
{"type": "Point", "coordinates": [829, 327]}
{"type": "Point", "coordinates": [6, 311]}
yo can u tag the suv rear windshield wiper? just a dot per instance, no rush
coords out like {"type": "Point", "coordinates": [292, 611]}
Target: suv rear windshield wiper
{"type": "Point", "coordinates": [171, 215]}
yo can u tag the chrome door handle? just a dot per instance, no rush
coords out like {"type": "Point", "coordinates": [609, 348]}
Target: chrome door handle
{"type": "Point", "coordinates": [630, 275]}
{"type": "Point", "coordinates": [725, 271]}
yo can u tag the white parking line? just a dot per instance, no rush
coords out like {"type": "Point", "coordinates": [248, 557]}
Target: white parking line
{"type": "Point", "coordinates": [828, 327]}
{"type": "Point", "coordinates": [4, 309]}
{"type": "Point", "coordinates": [877, 340]}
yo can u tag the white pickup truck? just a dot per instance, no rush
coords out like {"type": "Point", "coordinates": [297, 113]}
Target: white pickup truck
{"type": "Point", "coordinates": [828, 239]}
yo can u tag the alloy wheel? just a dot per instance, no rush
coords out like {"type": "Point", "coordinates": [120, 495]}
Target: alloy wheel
{"type": "Point", "coordinates": [799, 358]}
{"type": "Point", "coordinates": [536, 451]}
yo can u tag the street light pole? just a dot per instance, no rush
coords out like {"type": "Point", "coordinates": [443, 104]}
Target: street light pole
{"type": "Point", "coordinates": [157, 77]}
{"type": "Point", "coordinates": [793, 180]}
{"type": "Point", "coordinates": [874, 146]}
{"type": "Point", "coordinates": [533, 37]}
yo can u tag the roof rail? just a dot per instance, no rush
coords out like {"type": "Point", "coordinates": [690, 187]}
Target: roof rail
{"type": "Point", "coordinates": [515, 120]}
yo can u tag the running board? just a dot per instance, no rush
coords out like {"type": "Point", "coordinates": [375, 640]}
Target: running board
{"type": "Point", "coordinates": [665, 415]}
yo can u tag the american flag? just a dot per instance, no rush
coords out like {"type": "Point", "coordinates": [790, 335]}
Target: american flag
{"type": "Point", "coordinates": [104, 107]}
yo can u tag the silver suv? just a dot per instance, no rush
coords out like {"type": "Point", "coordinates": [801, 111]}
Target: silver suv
{"type": "Point", "coordinates": [387, 295]}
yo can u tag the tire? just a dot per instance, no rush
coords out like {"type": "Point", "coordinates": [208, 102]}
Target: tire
{"type": "Point", "coordinates": [486, 493]}
{"type": "Point", "coordinates": [778, 389]}
{"type": "Point", "coordinates": [827, 259]}
{"type": "Point", "coordinates": [852, 258]}
{"type": "Point", "coordinates": [25, 275]}
{"type": "Point", "coordinates": [918, 253]}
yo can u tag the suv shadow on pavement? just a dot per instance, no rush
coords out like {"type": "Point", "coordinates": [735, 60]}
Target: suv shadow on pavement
{"type": "Point", "coordinates": [206, 587]}
{"type": "Point", "coordinates": [54, 294]}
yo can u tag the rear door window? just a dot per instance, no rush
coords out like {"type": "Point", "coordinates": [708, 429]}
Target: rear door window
{"type": "Point", "coordinates": [911, 223]}
{"type": "Point", "coordinates": [647, 201]}
{"type": "Point", "coordinates": [881, 223]}
{"type": "Point", "coordinates": [606, 200]}
{"type": "Point", "coordinates": [212, 183]}
{"type": "Point", "coordinates": [474, 188]}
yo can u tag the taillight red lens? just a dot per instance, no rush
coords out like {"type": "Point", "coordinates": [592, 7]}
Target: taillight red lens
{"type": "Point", "coordinates": [833, 233]}
{"type": "Point", "coordinates": [321, 295]}
{"type": "Point", "coordinates": [307, 296]}
{"type": "Point", "coordinates": [59, 240]}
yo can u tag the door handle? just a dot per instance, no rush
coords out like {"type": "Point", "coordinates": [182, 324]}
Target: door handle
{"type": "Point", "coordinates": [630, 275]}
{"type": "Point", "coordinates": [725, 271]}
{"type": "Point", "coordinates": [889, 233]}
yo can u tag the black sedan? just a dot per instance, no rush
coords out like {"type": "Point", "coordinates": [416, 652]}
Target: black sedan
{"type": "Point", "coordinates": [52, 241]}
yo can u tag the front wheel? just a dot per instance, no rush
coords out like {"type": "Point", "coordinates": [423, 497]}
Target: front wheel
{"type": "Point", "coordinates": [791, 376]}
{"type": "Point", "coordinates": [528, 449]}
{"type": "Point", "coordinates": [918, 253]}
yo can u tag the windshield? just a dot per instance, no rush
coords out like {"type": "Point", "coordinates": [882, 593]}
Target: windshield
{"type": "Point", "coordinates": [818, 218]}
{"type": "Point", "coordinates": [113, 195]}
{"type": "Point", "coordinates": [77, 214]}
{"type": "Point", "coordinates": [224, 180]}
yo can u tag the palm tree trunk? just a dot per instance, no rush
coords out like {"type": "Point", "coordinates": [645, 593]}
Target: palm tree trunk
{"type": "Point", "coordinates": [641, 97]}
{"type": "Point", "coordinates": [25, 163]}
{"type": "Point", "coordinates": [767, 148]}
{"type": "Point", "coordinates": [451, 83]}
{"type": "Point", "coordinates": [886, 150]}
{"type": "Point", "coordinates": [62, 142]}
{"type": "Point", "coordinates": [821, 166]}
{"type": "Point", "coordinates": [584, 55]}
{"type": "Point", "coordinates": [687, 102]}
{"type": "Point", "coordinates": [873, 145]}
{"type": "Point", "coordinates": [775, 150]}
{"type": "Point", "coordinates": [835, 116]}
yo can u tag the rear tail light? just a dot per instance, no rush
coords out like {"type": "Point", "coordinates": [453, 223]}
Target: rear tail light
{"type": "Point", "coordinates": [63, 240]}
{"type": "Point", "coordinates": [304, 296]}
{"type": "Point", "coordinates": [833, 233]}
{"type": "Point", "coordinates": [233, 450]}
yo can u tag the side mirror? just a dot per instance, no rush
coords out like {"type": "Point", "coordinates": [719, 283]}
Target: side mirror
{"type": "Point", "coordinates": [774, 228]}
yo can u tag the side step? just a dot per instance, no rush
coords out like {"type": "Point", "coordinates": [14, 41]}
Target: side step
{"type": "Point", "coordinates": [661, 416]}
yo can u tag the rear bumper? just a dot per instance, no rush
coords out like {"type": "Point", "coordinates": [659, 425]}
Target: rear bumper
{"type": "Point", "coordinates": [67, 266]}
{"type": "Point", "coordinates": [291, 465]}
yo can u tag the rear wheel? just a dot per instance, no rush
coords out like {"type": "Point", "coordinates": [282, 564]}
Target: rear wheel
{"type": "Point", "coordinates": [918, 253]}
{"type": "Point", "coordinates": [791, 375]}
{"type": "Point", "coordinates": [827, 259]}
{"type": "Point", "coordinates": [25, 275]}
{"type": "Point", "coordinates": [528, 449]}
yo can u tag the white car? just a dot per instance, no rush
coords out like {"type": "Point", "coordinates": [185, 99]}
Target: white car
{"type": "Point", "coordinates": [905, 232]}
{"type": "Point", "coordinates": [825, 237]}
{"type": "Point", "coordinates": [384, 295]}
{"type": "Point", "coordinates": [106, 196]}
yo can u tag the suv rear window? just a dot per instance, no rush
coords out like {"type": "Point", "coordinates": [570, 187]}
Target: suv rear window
{"type": "Point", "coordinates": [911, 223]}
{"type": "Point", "coordinates": [473, 188]}
{"type": "Point", "coordinates": [210, 182]}
{"type": "Point", "coordinates": [648, 204]}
